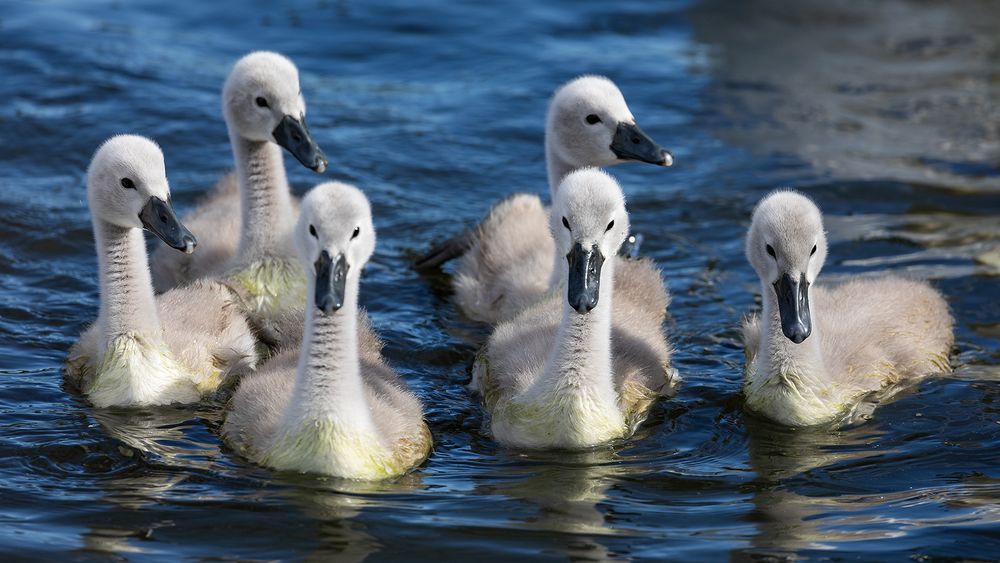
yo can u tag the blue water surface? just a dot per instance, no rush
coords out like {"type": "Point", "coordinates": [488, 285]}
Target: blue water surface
{"type": "Point", "coordinates": [886, 113]}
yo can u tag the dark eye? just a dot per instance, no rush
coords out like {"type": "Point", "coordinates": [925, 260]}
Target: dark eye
{"type": "Point", "coordinates": [813, 251]}
{"type": "Point", "coordinates": [128, 184]}
{"type": "Point", "coordinates": [261, 102]}
{"type": "Point", "coordinates": [357, 231]}
{"type": "Point", "coordinates": [770, 250]}
{"type": "Point", "coordinates": [593, 118]}
{"type": "Point", "coordinates": [312, 231]}
{"type": "Point", "coordinates": [566, 224]}
{"type": "Point", "coordinates": [611, 224]}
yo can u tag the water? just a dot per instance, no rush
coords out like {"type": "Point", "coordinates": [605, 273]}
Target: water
{"type": "Point", "coordinates": [886, 113]}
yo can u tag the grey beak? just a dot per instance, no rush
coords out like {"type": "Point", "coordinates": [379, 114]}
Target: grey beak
{"type": "Point", "coordinates": [294, 136]}
{"type": "Point", "coordinates": [584, 284]}
{"type": "Point", "coordinates": [793, 307]}
{"type": "Point", "coordinates": [631, 143]}
{"type": "Point", "coordinates": [158, 217]}
{"type": "Point", "coordinates": [331, 282]}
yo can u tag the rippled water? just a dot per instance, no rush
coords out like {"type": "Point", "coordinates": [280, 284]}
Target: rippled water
{"type": "Point", "coordinates": [886, 113]}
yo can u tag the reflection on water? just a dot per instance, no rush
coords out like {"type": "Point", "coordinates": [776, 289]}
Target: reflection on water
{"type": "Point", "coordinates": [805, 500]}
{"type": "Point", "coordinates": [172, 454]}
{"type": "Point", "coordinates": [160, 435]}
{"type": "Point", "coordinates": [338, 537]}
{"type": "Point", "coordinates": [160, 441]}
{"type": "Point", "coordinates": [777, 452]}
{"type": "Point", "coordinates": [899, 89]}
{"type": "Point", "coordinates": [565, 489]}
{"type": "Point", "coordinates": [786, 521]}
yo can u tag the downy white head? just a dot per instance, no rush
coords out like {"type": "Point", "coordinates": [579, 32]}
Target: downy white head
{"type": "Point", "coordinates": [127, 187]}
{"type": "Point", "coordinates": [589, 224]}
{"type": "Point", "coordinates": [786, 245]}
{"type": "Point", "coordinates": [262, 101]}
{"type": "Point", "coordinates": [335, 238]}
{"type": "Point", "coordinates": [589, 124]}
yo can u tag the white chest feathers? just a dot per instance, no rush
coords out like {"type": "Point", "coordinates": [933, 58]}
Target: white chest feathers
{"type": "Point", "coordinates": [135, 371]}
{"type": "Point", "coordinates": [792, 393]}
{"type": "Point", "coordinates": [570, 417]}
{"type": "Point", "coordinates": [330, 447]}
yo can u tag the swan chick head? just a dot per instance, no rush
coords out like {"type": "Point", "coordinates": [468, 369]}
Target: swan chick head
{"type": "Point", "coordinates": [335, 237]}
{"type": "Point", "coordinates": [589, 124]}
{"type": "Point", "coordinates": [786, 245]}
{"type": "Point", "coordinates": [262, 101]}
{"type": "Point", "coordinates": [127, 187]}
{"type": "Point", "coordinates": [589, 224]}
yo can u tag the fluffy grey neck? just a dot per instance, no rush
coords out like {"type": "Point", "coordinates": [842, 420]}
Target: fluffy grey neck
{"type": "Point", "coordinates": [556, 166]}
{"type": "Point", "coordinates": [581, 357]}
{"type": "Point", "coordinates": [328, 385]}
{"type": "Point", "coordinates": [777, 356]}
{"type": "Point", "coordinates": [127, 301]}
{"type": "Point", "coordinates": [265, 198]}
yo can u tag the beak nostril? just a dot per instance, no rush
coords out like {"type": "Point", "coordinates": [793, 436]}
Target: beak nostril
{"type": "Point", "coordinates": [635, 140]}
{"type": "Point", "coordinates": [163, 218]}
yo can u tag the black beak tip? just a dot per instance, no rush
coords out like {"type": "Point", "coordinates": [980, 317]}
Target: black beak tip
{"type": "Point", "coordinates": [330, 304]}
{"type": "Point", "coordinates": [584, 306]}
{"type": "Point", "coordinates": [797, 334]}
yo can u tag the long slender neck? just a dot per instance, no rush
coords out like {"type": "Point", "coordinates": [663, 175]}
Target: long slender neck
{"type": "Point", "coordinates": [555, 165]}
{"type": "Point", "coordinates": [127, 301]}
{"type": "Point", "coordinates": [266, 199]}
{"type": "Point", "coordinates": [581, 357]}
{"type": "Point", "coordinates": [776, 354]}
{"type": "Point", "coordinates": [329, 386]}
{"type": "Point", "coordinates": [557, 170]}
